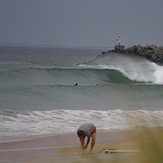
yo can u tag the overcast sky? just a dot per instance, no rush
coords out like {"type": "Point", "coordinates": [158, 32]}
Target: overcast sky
{"type": "Point", "coordinates": [81, 22]}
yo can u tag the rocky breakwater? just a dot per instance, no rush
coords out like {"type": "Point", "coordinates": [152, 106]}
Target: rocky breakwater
{"type": "Point", "coordinates": [151, 52]}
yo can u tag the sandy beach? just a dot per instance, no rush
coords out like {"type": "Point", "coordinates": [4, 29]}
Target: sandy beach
{"type": "Point", "coordinates": [139, 145]}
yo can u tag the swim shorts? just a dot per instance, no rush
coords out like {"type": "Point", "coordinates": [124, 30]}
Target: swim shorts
{"type": "Point", "coordinates": [94, 131]}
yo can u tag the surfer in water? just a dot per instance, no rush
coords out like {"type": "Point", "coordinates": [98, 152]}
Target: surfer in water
{"type": "Point", "coordinates": [76, 84]}
{"type": "Point", "coordinates": [87, 130]}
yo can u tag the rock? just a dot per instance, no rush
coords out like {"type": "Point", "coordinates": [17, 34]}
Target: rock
{"type": "Point", "coordinates": [154, 57]}
{"type": "Point", "coordinates": [119, 48]}
{"type": "Point", "coordinates": [158, 52]}
{"type": "Point", "coordinates": [150, 52]}
{"type": "Point", "coordinates": [140, 51]}
{"type": "Point", "coordinates": [129, 50]}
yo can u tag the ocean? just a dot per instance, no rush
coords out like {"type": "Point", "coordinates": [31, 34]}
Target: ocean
{"type": "Point", "coordinates": [38, 95]}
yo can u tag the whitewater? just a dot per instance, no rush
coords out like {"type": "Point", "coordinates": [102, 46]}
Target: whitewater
{"type": "Point", "coordinates": [38, 96]}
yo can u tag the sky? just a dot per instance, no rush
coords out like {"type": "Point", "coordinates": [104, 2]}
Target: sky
{"type": "Point", "coordinates": [81, 22]}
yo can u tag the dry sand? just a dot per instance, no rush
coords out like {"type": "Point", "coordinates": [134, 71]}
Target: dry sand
{"type": "Point", "coordinates": [65, 148]}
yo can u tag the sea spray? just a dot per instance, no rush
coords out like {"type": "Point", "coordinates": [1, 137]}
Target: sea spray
{"type": "Point", "coordinates": [133, 67]}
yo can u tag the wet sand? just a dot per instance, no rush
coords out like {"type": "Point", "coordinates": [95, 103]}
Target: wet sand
{"type": "Point", "coordinates": [148, 146]}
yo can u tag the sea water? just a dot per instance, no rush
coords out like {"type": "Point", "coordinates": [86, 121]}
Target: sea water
{"type": "Point", "coordinates": [38, 95]}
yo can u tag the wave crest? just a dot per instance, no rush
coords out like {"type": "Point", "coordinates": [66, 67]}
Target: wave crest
{"type": "Point", "coordinates": [134, 68]}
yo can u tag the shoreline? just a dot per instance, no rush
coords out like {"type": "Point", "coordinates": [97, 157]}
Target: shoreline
{"type": "Point", "coordinates": [15, 139]}
{"type": "Point", "coordinates": [66, 147]}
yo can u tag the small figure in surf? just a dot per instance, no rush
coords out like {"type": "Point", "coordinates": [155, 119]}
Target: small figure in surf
{"type": "Point", "coordinates": [76, 84]}
{"type": "Point", "coordinates": [87, 130]}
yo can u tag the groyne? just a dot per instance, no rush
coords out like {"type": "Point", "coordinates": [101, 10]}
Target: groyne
{"type": "Point", "coordinates": [153, 53]}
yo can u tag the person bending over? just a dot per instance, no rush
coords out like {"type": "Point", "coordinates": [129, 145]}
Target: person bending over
{"type": "Point", "coordinates": [87, 130]}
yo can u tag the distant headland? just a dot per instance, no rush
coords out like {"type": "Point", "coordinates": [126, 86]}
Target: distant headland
{"type": "Point", "coordinates": [151, 52]}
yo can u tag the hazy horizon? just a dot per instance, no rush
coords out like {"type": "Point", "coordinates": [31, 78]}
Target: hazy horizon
{"type": "Point", "coordinates": [81, 23]}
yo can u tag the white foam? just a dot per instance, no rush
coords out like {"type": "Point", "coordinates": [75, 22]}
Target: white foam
{"type": "Point", "coordinates": [158, 74]}
{"type": "Point", "coordinates": [134, 68]}
{"type": "Point", "coordinates": [65, 121]}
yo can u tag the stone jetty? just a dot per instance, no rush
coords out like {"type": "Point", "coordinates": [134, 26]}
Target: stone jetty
{"type": "Point", "coordinates": [151, 52]}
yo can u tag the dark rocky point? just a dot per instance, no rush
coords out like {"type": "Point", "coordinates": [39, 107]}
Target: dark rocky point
{"type": "Point", "coordinates": [151, 52]}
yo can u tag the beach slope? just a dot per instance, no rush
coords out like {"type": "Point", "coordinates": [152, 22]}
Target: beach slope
{"type": "Point", "coordinates": [139, 145]}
